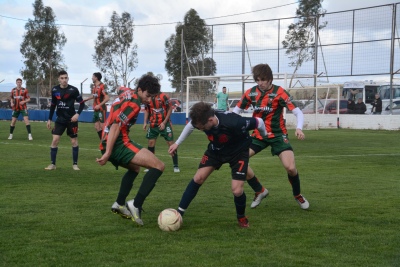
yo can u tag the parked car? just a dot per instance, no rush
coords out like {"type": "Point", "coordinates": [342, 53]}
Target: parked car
{"type": "Point", "coordinates": [232, 102]}
{"type": "Point", "coordinates": [330, 107]}
{"type": "Point", "coordinates": [176, 104]}
{"type": "Point", "coordinates": [395, 108]}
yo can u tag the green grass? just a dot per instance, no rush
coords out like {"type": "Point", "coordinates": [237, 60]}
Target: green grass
{"type": "Point", "coordinates": [63, 218]}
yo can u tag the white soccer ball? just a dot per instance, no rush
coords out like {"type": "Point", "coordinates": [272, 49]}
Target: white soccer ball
{"type": "Point", "coordinates": [169, 220]}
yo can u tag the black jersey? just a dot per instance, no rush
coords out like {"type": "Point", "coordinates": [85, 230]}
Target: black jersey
{"type": "Point", "coordinates": [232, 133]}
{"type": "Point", "coordinates": [64, 99]}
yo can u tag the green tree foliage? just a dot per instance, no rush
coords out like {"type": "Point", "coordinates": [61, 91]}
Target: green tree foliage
{"type": "Point", "coordinates": [197, 39]}
{"type": "Point", "coordinates": [115, 52]}
{"type": "Point", "coordinates": [300, 37]}
{"type": "Point", "coordinates": [41, 48]}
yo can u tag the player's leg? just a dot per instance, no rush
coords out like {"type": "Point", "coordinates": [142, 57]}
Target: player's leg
{"type": "Point", "coordinates": [239, 165]}
{"type": "Point", "coordinates": [28, 126]}
{"type": "Point", "coordinates": [168, 135]}
{"type": "Point", "coordinates": [72, 132]}
{"type": "Point", "coordinates": [54, 150]}
{"type": "Point", "coordinates": [12, 125]}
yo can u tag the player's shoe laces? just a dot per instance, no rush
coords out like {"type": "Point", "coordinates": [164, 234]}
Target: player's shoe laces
{"type": "Point", "coordinates": [176, 169]}
{"type": "Point", "coordinates": [30, 138]}
{"type": "Point", "coordinates": [121, 210]}
{"type": "Point", "coordinates": [258, 196]}
{"type": "Point", "coordinates": [302, 201]}
{"type": "Point", "coordinates": [10, 137]}
{"type": "Point", "coordinates": [136, 212]}
{"type": "Point", "coordinates": [50, 167]}
{"type": "Point", "coordinates": [75, 167]}
{"type": "Point", "coordinates": [243, 222]}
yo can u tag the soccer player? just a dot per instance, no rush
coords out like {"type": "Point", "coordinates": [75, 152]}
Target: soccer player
{"type": "Point", "coordinates": [221, 99]}
{"type": "Point", "coordinates": [158, 113]}
{"type": "Point", "coordinates": [19, 98]}
{"type": "Point", "coordinates": [100, 96]}
{"type": "Point", "coordinates": [229, 143]}
{"type": "Point", "coordinates": [120, 150]}
{"type": "Point", "coordinates": [269, 101]}
{"type": "Point", "coordinates": [63, 97]}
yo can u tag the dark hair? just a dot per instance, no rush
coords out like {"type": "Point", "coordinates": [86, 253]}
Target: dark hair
{"type": "Point", "coordinates": [18, 79]}
{"type": "Point", "coordinates": [200, 113]}
{"type": "Point", "coordinates": [150, 84]}
{"type": "Point", "coordinates": [98, 75]}
{"type": "Point", "coordinates": [62, 72]}
{"type": "Point", "coordinates": [263, 72]}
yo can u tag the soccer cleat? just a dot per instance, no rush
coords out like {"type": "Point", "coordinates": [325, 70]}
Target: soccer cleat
{"type": "Point", "coordinates": [121, 210]}
{"type": "Point", "coordinates": [50, 167]}
{"type": "Point", "coordinates": [10, 137]}
{"type": "Point", "coordinates": [30, 138]}
{"type": "Point", "coordinates": [146, 170]}
{"type": "Point", "coordinates": [258, 197]}
{"type": "Point", "coordinates": [243, 222]}
{"type": "Point", "coordinates": [302, 201]}
{"type": "Point", "coordinates": [75, 167]}
{"type": "Point", "coordinates": [176, 169]}
{"type": "Point", "coordinates": [136, 212]}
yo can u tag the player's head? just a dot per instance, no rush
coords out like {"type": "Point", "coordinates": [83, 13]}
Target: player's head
{"type": "Point", "coordinates": [97, 76]}
{"type": "Point", "coordinates": [19, 82]}
{"type": "Point", "coordinates": [224, 90]}
{"type": "Point", "coordinates": [18, 79]}
{"type": "Point", "coordinates": [201, 113]}
{"type": "Point", "coordinates": [148, 87]}
{"type": "Point", "coordinates": [63, 78]}
{"type": "Point", "coordinates": [262, 72]}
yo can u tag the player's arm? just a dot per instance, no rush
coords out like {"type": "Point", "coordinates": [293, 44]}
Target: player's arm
{"type": "Point", "coordinates": [106, 97]}
{"type": "Point", "coordinates": [166, 119]}
{"type": "Point", "coordinates": [184, 134]}
{"type": "Point", "coordinates": [300, 121]}
{"type": "Point", "coordinates": [12, 99]}
{"type": "Point", "coordinates": [146, 117]}
{"type": "Point", "coordinates": [111, 139]}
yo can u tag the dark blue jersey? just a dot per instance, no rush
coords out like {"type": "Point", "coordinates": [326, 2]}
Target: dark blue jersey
{"type": "Point", "coordinates": [64, 99]}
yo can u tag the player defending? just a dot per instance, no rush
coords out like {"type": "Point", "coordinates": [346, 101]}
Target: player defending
{"type": "Point", "coordinates": [117, 148]}
{"type": "Point", "coordinates": [269, 101]}
{"type": "Point", "coordinates": [19, 98]}
{"type": "Point", "coordinates": [159, 111]}
{"type": "Point", "coordinates": [100, 98]}
{"type": "Point", "coordinates": [63, 97]}
{"type": "Point", "coordinates": [229, 143]}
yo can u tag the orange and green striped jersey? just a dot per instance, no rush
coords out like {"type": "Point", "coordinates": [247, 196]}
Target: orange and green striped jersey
{"type": "Point", "coordinates": [98, 93]}
{"type": "Point", "coordinates": [269, 106]}
{"type": "Point", "coordinates": [158, 109]}
{"type": "Point", "coordinates": [19, 94]}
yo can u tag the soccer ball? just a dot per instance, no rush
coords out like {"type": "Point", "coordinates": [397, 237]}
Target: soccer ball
{"type": "Point", "coordinates": [169, 220]}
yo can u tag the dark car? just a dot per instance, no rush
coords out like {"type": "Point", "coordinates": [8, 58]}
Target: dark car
{"type": "Point", "coordinates": [330, 107]}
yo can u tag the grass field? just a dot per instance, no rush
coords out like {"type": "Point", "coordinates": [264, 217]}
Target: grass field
{"type": "Point", "coordinates": [63, 217]}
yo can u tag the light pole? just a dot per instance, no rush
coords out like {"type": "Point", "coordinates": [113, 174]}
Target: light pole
{"type": "Point", "coordinates": [82, 85]}
{"type": "Point", "coordinates": [129, 83]}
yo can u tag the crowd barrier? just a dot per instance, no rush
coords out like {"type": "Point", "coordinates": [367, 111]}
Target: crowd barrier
{"type": "Point", "coordinates": [86, 116]}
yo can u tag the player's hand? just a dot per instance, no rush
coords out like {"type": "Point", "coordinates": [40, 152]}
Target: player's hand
{"type": "Point", "coordinates": [172, 149]}
{"type": "Point", "coordinates": [75, 117]}
{"type": "Point", "coordinates": [48, 124]}
{"type": "Point", "coordinates": [161, 126]}
{"type": "Point", "coordinates": [103, 160]}
{"type": "Point", "coordinates": [299, 134]}
{"type": "Point", "coordinates": [144, 126]}
{"type": "Point", "coordinates": [97, 107]}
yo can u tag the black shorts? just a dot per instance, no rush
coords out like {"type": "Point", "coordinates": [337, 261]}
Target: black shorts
{"type": "Point", "coordinates": [238, 162]}
{"type": "Point", "coordinates": [72, 129]}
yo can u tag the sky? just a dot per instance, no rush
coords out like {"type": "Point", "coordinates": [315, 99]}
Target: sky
{"type": "Point", "coordinates": [150, 38]}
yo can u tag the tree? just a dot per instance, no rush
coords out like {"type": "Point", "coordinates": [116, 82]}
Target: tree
{"type": "Point", "coordinates": [115, 52]}
{"type": "Point", "coordinates": [197, 39]}
{"type": "Point", "coordinates": [41, 47]}
{"type": "Point", "coordinates": [300, 37]}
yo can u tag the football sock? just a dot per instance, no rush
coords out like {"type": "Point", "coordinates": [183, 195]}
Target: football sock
{"type": "Point", "coordinates": [126, 186]}
{"type": "Point", "coordinates": [240, 204]}
{"type": "Point", "coordinates": [28, 128]}
{"type": "Point", "coordinates": [189, 194]}
{"type": "Point", "coordinates": [12, 129]}
{"type": "Point", "coordinates": [175, 159]}
{"type": "Point", "coordinates": [255, 184]}
{"type": "Point", "coordinates": [295, 182]}
{"type": "Point", "coordinates": [75, 152]}
{"type": "Point", "coordinates": [149, 182]}
{"type": "Point", "coordinates": [100, 133]}
{"type": "Point", "coordinates": [152, 149]}
{"type": "Point", "coordinates": [53, 154]}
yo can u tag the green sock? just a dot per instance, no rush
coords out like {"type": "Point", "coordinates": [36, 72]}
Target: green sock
{"type": "Point", "coordinates": [126, 186]}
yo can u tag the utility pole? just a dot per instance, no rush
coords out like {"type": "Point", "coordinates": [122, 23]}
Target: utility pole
{"type": "Point", "coordinates": [82, 86]}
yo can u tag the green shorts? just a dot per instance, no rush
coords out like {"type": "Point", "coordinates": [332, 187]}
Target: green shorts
{"type": "Point", "coordinates": [278, 144]}
{"type": "Point", "coordinates": [122, 154]}
{"type": "Point", "coordinates": [99, 116]}
{"type": "Point", "coordinates": [167, 133]}
{"type": "Point", "coordinates": [16, 113]}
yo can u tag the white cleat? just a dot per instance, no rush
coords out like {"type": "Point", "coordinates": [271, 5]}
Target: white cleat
{"type": "Point", "coordinates": [176, 169]}
{"type": "Point", "coordinates": [302, 201]}
{"type": "Point", "coordinates": [75, 167]}
{"type": "Point", "coordinates": [121, 210]}
{"type": "Point", "coordinates": [258, 197]}
{"type": "Point", "coordinates": [50, 167]}
{"type": "Point", "coordinates": [30, 138]}
{"type": "Point", "coordinates": [10, 137]}
{"type": "Point", "coordinates": [136, 213]}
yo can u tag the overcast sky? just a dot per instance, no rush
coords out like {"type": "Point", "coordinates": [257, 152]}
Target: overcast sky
{"type": "Point", "coordinates": [149, 38]}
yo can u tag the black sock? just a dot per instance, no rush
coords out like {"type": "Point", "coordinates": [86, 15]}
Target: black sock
{"type": "Point", "coordinates": [152, 149]}
{"type": "Point", "coordinates": [295, 182]}
{"type": "Point", "coordinates": [149, 182]}
{"type": "Point", "coordinates": [255, 184]}
{"type": "Point", "coordinates": [28, 128]}
{"type": "Point", "coordinates": [12, 129]}
{"type": "Point", "coordinates": [53, 154]}
{"type": "Point", "coordinates": [126, 186]}
{"type": "Point", "coordinates": [175, 159]}
{"type": "Point", "coordinates": [187, 197]}
{"type": "Point", "coordinates": [240, 204]}
{"type": "Point", "coordinates": [100, 133]}
{"type": "Point", "coordinates": [75, 152]}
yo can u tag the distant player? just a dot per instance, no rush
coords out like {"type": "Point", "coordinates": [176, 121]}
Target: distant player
{"type": "Point", "coordinates": [158, 113]}
{"type": "Point", "coordinates": [19, 98]}
{"type": "Point", "coordinates": [63, 97]}
{"type": "Point", "coordinates": [229, 143]}
{"type": "Point", "coordinates": [100, 98]}
{"type": "Point", "coordinates": [221, 99]}
{"type": "Point", "coordinates": [269, 101]}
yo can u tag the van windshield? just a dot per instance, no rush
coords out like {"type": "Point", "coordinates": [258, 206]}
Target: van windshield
{"type": "Point", "coordinates": [384, 91]}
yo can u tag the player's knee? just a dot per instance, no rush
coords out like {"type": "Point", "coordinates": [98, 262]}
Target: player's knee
{"type": "Point", "coordinates": [160, 165]}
